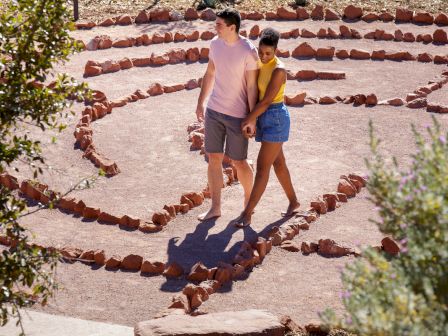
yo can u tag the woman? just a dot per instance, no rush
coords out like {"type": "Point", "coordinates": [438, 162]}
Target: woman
{"type": "Point", "coordinates": [270, 118]}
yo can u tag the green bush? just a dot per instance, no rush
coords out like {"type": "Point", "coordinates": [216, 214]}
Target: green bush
{"type": "Point", "coordinates": [34, 36]}
{"type": "Point", "coordinates": [407, 294]}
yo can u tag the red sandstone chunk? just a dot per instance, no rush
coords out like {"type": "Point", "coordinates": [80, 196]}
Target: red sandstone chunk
{"type": "Point", "coordinates": [346, 188]}
{"type": "Point", "coordinates": [304, 50]}
{"type": "Point", "coordinates": [132, 262]}
{"type": "Point", "coordinates": [390, 246]}
{"type": "Point", "coordinates": [113, 262]}
{"type": "Point", "coordinates": [327, 100]}
{"type": "Point", "coordinates": [359, 54]}
{"type": "Point", "coordinates": [296, 100]}
{"type": "Point", "coordinates": [352, 12]}
{"type": "Point", "coordinates": [173, 270]}
{"type": "Point", "coordinates": [317, 13]}
{"type": "Point", "coordinates": [329, 247]}
{"type": "Point", "coordinates": [423, 18]}
{"type": "Point", "coordinates": [309, 247]}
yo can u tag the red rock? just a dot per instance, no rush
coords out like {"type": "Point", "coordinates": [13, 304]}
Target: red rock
{"type": "Point", "coordinates": [440, 36]}
{"type": "Point", "coordinates": [355, 34]}
{"type": "Point", "coordinates": [168, 37]}
{"type": "Point", "coordinates": [124, 20]}
{"type": "Point", "coordinates": [440, 59]}
{"type": "Point", "coordinates": [176, 16]}
{"type": "Point", "coordinates": [304, 50]}
{"type": "Point", "coordinates": [92, 68]}
{"type": "Point", "coordinates": [331, 15]}
{"type": "Point", "coordinates": [113, 262]}
{"type": "Point", "coordinates": [307, 34]}
{"type": "Point", "coordinates": [110, 66]}
{"type": "Point", "coordinates": [408, 37]}
{"type": "Point", "coordinates": [346, 188]}
{"type": "Point", "coordinates": [417, 103]}
{"type": "Point", "coordinates": [177, 55]}
{"type": "Point", "coordinates": [155, 89]}
{"type": "Point", "coordinates": [282, 53]}
{"type": "Point", "coordinates": [332, 33]}
{"type": "Point", "coordinates": [378, 55]}
{"type": "Point", "coordinates": [306, 75]}
{"type": "Point", "coordinates": [173, 88]}
{"type": "Point", "coordinates": [130, 222]}
{"type": "Point", "coordinates": [198, 272]}
{"type": "Point", "coordinates": [370, 17]}
{"type": "Point", "coordinates": [317, 13]}
{"type": "Point", "coordinates": [296, 100]}
{"type": "Point", "coordinates": [204, 53]}
{"type": "Point", "coordinates": [285, 35]}
{"type": "Point", "coordinates": [100, 257]}
{"type": "Point", "coordinates": [441, 19]}
{"type": "Point", "coordinates": [159, 15]}
{"type": "Point", "coordinates": [403, 15]}
{"type": "Point", "coordinates": [66, 252]}
{"type": "Point", "coordinates": [254, 32]}
{"type": "Point", "coordinates": [85, 25]}
{"type": "Point", "coordinates": [352, 12]}
{"type": "Point", "coordinates": [208, 15]}
{"type": "Point", "coordinates": [194, 36]}
{"type": "Point", "coordinates": [132, 262]}
{"type": "Point", "coordinates": [395, 102]}
{"type": "Point", "coordinates": [400, 56]}
{"type": "Point", "coordinates": [359, 54]}
{"type": "Point", "coordinates": [180, 301]}
{"type": "Point", "coordinates": [171, 210]}
{"type": "Point", "coordinates": [425, 57]}
{"type": "Point", "coordinates": [423, 18]}
{"type": "Point", "coordinates": [388, 37]}
{"type": "Point", "coordinates": [427, 38]}
{"type": "Point", "coordinates": [327, 100]}
{"type": "Point", "coordinates": [158, 38]}
{"type": "Point", "coordinates": [386, 17]}
{"type": "Point", "coordinates": [302, 14]}
{"type": "Point", "coordinates": [331, 201]}
{"type": "Point", "coordinates": [192, 84]}
{"type": "Point", "coordinates": [125, 63]}
{"type": "Point", "coordinates": [87, 255]}
{"type": "Point", "coordinates": [123, 43]}
{"type": "Point", "coordinates": [286, 14]}
{"type": "Point", "coordinates": [309, 247]}
{"type": "Point", "coordinates": [161, 217]}
{"type": "Point", "coordinates": [104, 217]}
{"type": "Point", "coordinates": [319, 205]}
{"type": "Point", "coordinates": [179, 37]}
{"type": "Point", "coordinates": [329, 247]}
{"type": "Point", "coordinates": [223, 273]}
{"type": "Point", "coordinates": [91, 213]}
{"type": "Point", "coordinates": [155, 267]}
{"type": "Point", "coordinates": [322, 33]}
{"type": "Point", "coordinates": [142, 17]}
{"type": "Point", "coordinates": [150, 227]}
{"type": "Point", "coordinates": [196, 198]}
{"type": "Point", "coordinates": [371, 100]}
{"type": "Point", "coordinates": [191, 14]}
{"type": "Point", "coordinates": [107, 23]}
{"type": "Point", "coordinates": [173, 270]}
{"type": "Point", "coordinates": [345, 32]}
{"type": "Point", "coordinates": [325, 52]}
{"type": "Point", "coordinates": [254, 16]}
{"type": "Point", "coordinates": [160, 59]}
{"type": "Point", "coordinates": [290, 246]}
{"type": "Point", "coordinates": [271, 16]}
{"type": "Point", "coordinates": [390, 246]}
{"type": "Point", "coordinates": [207, 35]}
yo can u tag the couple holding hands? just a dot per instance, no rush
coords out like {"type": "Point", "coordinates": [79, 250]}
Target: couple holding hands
{"type": "Point", "coordinates": [245, 91]}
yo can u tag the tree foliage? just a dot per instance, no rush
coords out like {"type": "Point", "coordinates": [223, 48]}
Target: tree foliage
{"type": "Point", "coordinates": [407, 294]}
{"type": "Point", "coordinates": [34, 37]}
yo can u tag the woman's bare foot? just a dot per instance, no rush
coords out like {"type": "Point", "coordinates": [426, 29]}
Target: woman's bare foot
{"type": "Point", "coordinates": [242, 220]}
{"type": "Point", "coordinates": [212, 213]}
{"type": "Point", "coordinates": [292, 209]}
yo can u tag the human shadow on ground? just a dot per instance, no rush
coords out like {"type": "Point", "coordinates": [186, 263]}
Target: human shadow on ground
{"type": "Point", "coordinates": [209, 249]}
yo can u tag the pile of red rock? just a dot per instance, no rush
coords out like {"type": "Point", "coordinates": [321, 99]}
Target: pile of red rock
{"type": "Point", "coordinates": [418, 98]}
{"type": "Point", "coordinates": [174, 56]}
{"type": "Point", "coordinates": [356, 100]}
{"type": "Point", "coordinates": [438, 37]}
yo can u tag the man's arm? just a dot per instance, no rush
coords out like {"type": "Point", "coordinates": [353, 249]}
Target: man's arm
{"type": "Point", "coordinates": [206, 88]}
{"type": "Point", "coordinates": [252, 88]}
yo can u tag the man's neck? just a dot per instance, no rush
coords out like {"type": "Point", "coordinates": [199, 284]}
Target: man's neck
{"type": "Point", "coordinates": [232, 38]}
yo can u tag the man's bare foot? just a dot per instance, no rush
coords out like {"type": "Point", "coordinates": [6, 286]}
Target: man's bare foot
{"type": "Point", "coordinates": [242, 220]}
{"type": "Point", "coordinates": [212, 213]}
{"type": "Point", "coordinates": [293, 208]}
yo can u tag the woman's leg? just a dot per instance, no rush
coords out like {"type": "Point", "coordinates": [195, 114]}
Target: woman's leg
{"type": "Point", "coordinates": [266, 157]}
{"type": "Point", "coordinates": [283, 176]}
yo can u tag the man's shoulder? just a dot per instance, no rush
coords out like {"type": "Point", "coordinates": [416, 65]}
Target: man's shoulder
{"type": "Point", "coordinates": [247, 44]}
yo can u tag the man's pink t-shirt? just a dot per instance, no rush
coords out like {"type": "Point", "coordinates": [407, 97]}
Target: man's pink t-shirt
{"type": "Point", "coordinates": [229, 95]}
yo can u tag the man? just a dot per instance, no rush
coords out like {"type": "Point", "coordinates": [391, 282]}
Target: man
{"type": "Point", "coordinates": [231, 78]}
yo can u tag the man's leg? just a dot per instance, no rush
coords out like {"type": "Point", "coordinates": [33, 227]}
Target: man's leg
{"type": "Point", "coordinates": [215, 183]}
{"type": "Point", "coordinates": [245, 176]}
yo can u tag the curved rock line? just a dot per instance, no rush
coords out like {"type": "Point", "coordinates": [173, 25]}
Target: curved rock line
{"type": "Point", "coordinates": [319, 13]}
{"type": "Point", "coordinates": [303, 51]}
{"type": "Point", "coordinates": [101, 42]}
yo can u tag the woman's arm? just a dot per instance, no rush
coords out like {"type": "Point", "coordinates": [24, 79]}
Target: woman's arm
{"type": "Point", "coordinates": [278, 78]}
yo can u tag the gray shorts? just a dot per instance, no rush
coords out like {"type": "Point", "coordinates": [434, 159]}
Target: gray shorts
{"type": "Point", "coordinates": [221, 128]}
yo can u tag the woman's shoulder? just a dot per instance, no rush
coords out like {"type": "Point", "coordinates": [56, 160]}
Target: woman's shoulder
{"type": "Point", "coordinates": [279, 64]}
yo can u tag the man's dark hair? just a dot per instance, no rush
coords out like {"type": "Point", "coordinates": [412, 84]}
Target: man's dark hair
{"type": "Point", "coordinates": [269, 37]}
{"type": "Point", "coordinates": [231, 17]}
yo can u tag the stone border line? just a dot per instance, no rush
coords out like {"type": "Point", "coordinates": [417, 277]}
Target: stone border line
{"type": "Point", "coordinates": [41, 193]}
{"type": "Point", "coordinates": [101, 42]}
{"type": "Point", "coordinates": [418, 98]}
{"type": "Point", "coordinates": [303, 51]}
{"type": "Point", "coordinates": [351, 13]}
{"type": "Point", "coordinates": [250, 255]}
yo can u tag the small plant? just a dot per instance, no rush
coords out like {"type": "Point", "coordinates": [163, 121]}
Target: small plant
{"type": "Point", "coordinates": [407, 294]}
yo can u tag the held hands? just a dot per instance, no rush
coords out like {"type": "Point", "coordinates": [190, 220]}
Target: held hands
{"type": "Point", "coordinates": [248, 127]}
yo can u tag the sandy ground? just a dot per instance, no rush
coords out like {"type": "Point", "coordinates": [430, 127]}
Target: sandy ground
{"type": "Point", "coordinates": [148, 140]}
